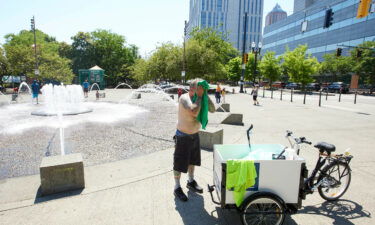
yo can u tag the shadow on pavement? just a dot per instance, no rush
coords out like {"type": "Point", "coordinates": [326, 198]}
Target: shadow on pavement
{"type": "Point", "coordinates": [193, 212]}
{"type": "Point", "coordinates": [341, 211]}
{"type": "Point", "coordinates": [39, 198]}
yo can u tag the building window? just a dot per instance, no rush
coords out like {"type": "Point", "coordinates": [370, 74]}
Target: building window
{"type": "Point", "coordinates": [219, 5]}
{"type": "Point", "coordinates": [203, 4]}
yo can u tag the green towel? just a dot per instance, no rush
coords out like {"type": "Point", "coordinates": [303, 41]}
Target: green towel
{"type": "Point", "coordinates": [241, 175]}
{"type": "Point", "coordinates": [203, 113]}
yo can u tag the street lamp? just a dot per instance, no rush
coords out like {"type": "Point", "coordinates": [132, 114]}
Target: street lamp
{"type": "Point", "coordinates": [36, 71]}
{"type": "Point", "coordinates": [256, 50]}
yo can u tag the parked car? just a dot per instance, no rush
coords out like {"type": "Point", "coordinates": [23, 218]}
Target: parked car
{"type": "Point", "coordinates": [278, 84]}
{"type": "Point", "coordinates": [313, 87]}
{"type": "Point", "coordinates": [292, 85]}
{"type": "Point", "coordinates": [335, 87]}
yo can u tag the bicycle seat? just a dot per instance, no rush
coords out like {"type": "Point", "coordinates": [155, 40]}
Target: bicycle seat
{"type": "Point", "coordinates": [324, 146]}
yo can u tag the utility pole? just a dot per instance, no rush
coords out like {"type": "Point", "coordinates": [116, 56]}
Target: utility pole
{"type": "Point", "coordinates": [243, 53]}
{"type": "Point", "coordinates": [183, 73]}
{"type": "Point", "coordinates": [36, 71]}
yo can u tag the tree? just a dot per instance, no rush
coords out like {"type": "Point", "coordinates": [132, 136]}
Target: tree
{"type": "Point", "coordinates": [19, 50]}
{"type": "Point", "coordinates": [4, 64]}
{"type": "Point", "coordinates": [270, 67]}
{"type": "Point", "coordinates": [250, 68]}
{"type": "Point", "coordinates": [364, 64]}
{"type": "Point", "coordinates": [207, 53]}
{"type": "Point", "coordinates": [234, 69]}
{"type": "Point", "coordinates": [337, 66]}
{"type": "Point", "coordinates": [300, 66]}
{"type": "Point", "coordinates": [103, 48]}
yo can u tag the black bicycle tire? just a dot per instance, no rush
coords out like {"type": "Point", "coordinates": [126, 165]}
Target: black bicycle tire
{"type": "Point", "coordinates": [263, 195]}
{"type": "Point", "coordinates": [321, 176]}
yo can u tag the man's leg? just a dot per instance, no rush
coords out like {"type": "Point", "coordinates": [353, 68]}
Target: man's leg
{"type": "Point", "coordinates": [178, 192]}
{"type": "Point", "coordinates": [177, 177]}
{"type": "Point", "coordinates": [192, 184]}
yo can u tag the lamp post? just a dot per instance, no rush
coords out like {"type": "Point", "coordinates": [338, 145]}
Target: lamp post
{"type": "Point", "coordinates": [36, 71]}
{"type": "Point", "coordinates": [183, 72]}
{"type": "Point", "coordinates": [243, 54]}
{"type": "Point", "coordinates": [256, 50]}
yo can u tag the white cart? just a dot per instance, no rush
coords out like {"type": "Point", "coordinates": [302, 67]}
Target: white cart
{"type": "Point", "coordinates": [278, 188]}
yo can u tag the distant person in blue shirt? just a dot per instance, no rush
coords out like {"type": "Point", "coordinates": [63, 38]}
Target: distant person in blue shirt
{"type": "Point", "coordinates": [86, 88]}
{"type": "Point", "coordinates": [35, 89]}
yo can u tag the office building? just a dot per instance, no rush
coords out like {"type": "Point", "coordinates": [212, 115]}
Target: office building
{"type": "Point", "coordinates": [275, 15]}
{"type": "Point", "coordinates": [228, 16]}
{"type": "Point", "coordinates": [308, 27]}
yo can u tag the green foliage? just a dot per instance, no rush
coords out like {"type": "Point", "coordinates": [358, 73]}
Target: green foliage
{"type": "Point", "coordinates": [207, 53]}
{"type": "Point", "coordinates": [250, 70]}
{"type": "Point", "coordinates": [270, 67]}
{"type": "Point", "coordinates": [337, 66]}
{"type": "Point", "coordinates": [103, 48]}
{"type": "Point", "coordinates": [300, 66]}
{"type": "Point", "coordinates": [4, 64]}
{"type": "Point", "coordinates": [19, 50]}
{"type": "Point", "coordinates": [234, 69]}
{"type": "Point", "coordinates": [364, 66]}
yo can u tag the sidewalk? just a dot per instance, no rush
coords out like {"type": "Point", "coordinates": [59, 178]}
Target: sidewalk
{"type": "Point", "coordinates": [140, 190]}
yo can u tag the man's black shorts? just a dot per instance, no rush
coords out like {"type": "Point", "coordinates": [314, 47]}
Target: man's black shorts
{"type": "Point", "coordinates": [255, 97]}
{"type": "Point", "coordinates": [85, 90]}
{"type": "Point", "coordinates": [187, 152]}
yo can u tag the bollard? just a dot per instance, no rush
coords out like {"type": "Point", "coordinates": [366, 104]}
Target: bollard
{"type": "Point", "coordinates": [355, 97]}
{"type": "Point", "coordinates": [281, 95]}
{"type": "Point", "coordinates": [291, 95]}
{"type": "Point", "coordinates": [271, 93]}
{"type": "Point", "coordinates": [340, 96]}
{"type": "Point", "coordinates": [304, 97]}
{"type": "Point", "coordinates": [263, 91]}
{"type": "Point", "coordinates": [327, 95]}
{"type": "Point", "coordinates": [320, 98]}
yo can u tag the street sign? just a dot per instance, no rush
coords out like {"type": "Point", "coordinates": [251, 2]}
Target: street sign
{"type": "Point", "coordinates": [183, 73]}
{"type": "Point", "coordinates": [36, 71]}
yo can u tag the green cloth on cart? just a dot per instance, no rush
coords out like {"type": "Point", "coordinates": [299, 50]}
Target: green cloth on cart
{"type": "Point", "coordinates": [203, 113]}
{"type": "Point", "coordinates": [241, 175]}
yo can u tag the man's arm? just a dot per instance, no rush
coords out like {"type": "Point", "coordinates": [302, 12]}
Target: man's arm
{"type": "Point", "coordinates": [193, 107]}
{"type": "Point", "coordinates": [211, 105]}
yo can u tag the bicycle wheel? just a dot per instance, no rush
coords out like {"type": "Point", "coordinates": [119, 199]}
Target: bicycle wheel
{"type": "Point", "coordinates": [335, 179]}
{"type": "Point", "coordinates": [263, 209]}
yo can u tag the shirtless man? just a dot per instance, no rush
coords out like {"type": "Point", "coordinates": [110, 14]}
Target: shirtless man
{"type": "Point", "coordinates": [187, 149]}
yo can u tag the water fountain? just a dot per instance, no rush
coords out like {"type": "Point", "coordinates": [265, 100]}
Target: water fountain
{"type": "Point", "coordinates": [66, 100]}
{"type": "Point", "coordinates": [93, 85]}
{"type": "Point", "coordinates": [123, 84]}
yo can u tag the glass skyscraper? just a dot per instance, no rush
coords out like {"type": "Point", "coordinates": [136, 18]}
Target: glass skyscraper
{"type": "Point", "coordinates": [307, 27]}
{"type": "Point", "coordinates": [228, 16]}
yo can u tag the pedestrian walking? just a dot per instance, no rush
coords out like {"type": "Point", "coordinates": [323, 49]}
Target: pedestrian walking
{"type": "Point", "coordinates": [223, 94]}
{"type": "Point", "coordinates": [179, 93]}
{"type": "Point", "coordinates": [86, 85]}
{"type": "Point", "coordinates": [218, 93]}
{"type": "Point", "coordinates": [35, 90]}
{"type": "Point", "coordinates": [254, 93]}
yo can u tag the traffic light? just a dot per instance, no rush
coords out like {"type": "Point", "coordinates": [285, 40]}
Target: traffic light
{"type": "Point", "coordinates": [245, 58]}
{"type": "Point", "coordinates": [328, 20]}
{"type": "Point", "coordinates": [363, 8]}
{"type": "Point", "coordinates": [338, 52]}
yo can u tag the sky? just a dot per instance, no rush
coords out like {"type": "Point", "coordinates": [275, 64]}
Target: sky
{"type": "Point", "coordinates": [144, 23]}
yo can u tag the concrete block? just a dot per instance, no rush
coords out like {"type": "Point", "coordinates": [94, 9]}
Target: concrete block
{"type": "Point", "coordinates": [225, 107]}
{"type": "Point", "coordinates": [210, 137]}
{"type": "Point", "coordinates": [61, 173]}
{"type": "Point", "coordinates": [136, 96]}
{"type": "Point", "coordinates": [233, 119]}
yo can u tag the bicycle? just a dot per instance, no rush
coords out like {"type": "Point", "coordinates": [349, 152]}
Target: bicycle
{"type": "Point", "coordinates": [331, 175]}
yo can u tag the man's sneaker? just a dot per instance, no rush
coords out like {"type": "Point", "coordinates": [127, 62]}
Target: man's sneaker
{"type": "Point", "coordinates": [180, 194]}
{"type": "Point", "coordinates": [194, 186]}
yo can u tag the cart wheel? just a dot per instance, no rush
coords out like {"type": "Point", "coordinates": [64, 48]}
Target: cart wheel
{"type": "Point", "coordinates": [265, 208]}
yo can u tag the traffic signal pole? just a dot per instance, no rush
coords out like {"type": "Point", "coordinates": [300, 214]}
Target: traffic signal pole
{"type": "Point", "coordinates": [243, 54]}
{"type": "Point", "coordinates": [36, 58]}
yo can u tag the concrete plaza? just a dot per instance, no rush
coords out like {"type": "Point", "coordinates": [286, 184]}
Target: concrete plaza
{"type": "Point", "coordinates": [139, 190]}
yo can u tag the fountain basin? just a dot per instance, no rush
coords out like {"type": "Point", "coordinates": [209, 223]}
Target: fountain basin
{"type": "Point", "coordinates": [61, 173]}
{"type": "Point", "coordinates": [64, 113]}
